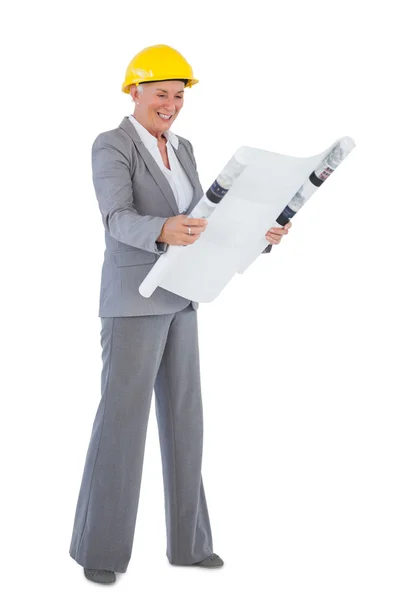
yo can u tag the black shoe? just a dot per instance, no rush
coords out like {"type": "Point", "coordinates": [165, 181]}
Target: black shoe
{"type": "Point", "coordinates": [100, 575]}
{"type": "Point", "coordinates": [210, 562]}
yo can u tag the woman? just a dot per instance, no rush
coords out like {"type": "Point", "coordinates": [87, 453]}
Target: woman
{"type": "Point", "coordinates": [145, 179]}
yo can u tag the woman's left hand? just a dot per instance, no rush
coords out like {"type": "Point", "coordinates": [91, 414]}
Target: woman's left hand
{"type": "Point", "coordinates": [275, 234]}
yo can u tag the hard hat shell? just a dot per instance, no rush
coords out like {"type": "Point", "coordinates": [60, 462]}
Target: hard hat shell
{"type": "Point", "coordinates": [157, 63]}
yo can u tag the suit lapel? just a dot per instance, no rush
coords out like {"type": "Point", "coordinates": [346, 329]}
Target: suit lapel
{"type": "Point", "coordinates": [151, 164]}
{"type": "Point", "coordinates": [189, 169]}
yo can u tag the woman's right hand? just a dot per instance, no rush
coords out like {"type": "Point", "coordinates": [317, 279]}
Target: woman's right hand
{"type": "Point", "coordinates": [175, 230]}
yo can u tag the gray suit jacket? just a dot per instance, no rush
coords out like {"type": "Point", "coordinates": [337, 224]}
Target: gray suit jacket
{"type": "Point", "coordinates": [135, 200]}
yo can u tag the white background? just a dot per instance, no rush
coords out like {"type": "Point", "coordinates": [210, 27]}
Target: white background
{"type": "Point", "coordinates": [299, 356]}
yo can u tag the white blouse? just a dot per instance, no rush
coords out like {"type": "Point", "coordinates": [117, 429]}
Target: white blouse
{"type": "Point", "coordinates": [176, 177]}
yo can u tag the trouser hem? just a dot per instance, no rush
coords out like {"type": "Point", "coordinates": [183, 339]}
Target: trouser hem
{"type": "Point", "coordinates": [99, 565]}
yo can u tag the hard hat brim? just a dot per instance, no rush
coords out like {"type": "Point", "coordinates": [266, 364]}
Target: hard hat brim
{"type": "Point", "coordinates": [126, 86]}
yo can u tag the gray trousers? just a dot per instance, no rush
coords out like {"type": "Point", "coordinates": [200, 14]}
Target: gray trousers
{"type": "Point", "coordinates": [141, 354]}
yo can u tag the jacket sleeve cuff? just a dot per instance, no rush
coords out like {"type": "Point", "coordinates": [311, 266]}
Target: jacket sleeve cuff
{"type": "Point", "coordinates": [160, 247]}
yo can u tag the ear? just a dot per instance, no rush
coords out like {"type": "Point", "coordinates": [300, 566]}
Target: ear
{"type": "Point", "coordinates": [134, 93]}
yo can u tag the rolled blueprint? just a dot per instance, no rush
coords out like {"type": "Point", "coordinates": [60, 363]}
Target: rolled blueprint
{"type": "Point", "coordinates": [203, 209]}
{"type": "Point", "coordinates": [256, 190]}
{"type": "Point", "coordinates": [316, 179]}
{"type": "Point", "coordinates": [223, 183]}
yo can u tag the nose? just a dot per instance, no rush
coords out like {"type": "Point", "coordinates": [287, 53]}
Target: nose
{"type": "Point", "coordinates": [170, 106]}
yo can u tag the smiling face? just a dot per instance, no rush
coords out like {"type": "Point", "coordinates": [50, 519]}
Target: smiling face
{"type": "Point", "coordinates": [158, 104]}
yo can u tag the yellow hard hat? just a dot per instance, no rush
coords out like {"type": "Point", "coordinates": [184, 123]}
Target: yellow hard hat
{"type": "Point", "coordinates": [158, 63]}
